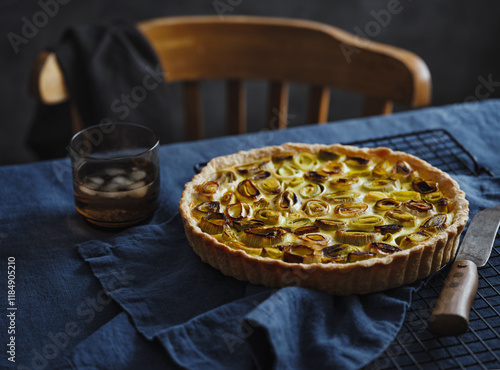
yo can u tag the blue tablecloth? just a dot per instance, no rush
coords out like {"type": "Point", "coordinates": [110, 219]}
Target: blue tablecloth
{"type": "Point", "coordinates": [92, 299]}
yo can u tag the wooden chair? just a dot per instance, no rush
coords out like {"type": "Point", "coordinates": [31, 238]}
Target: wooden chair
{"type": "Point", "coordinates": [280, 51]}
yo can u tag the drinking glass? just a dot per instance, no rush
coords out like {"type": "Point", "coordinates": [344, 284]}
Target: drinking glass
{"type": "Point", "coordinates": [116, 179]}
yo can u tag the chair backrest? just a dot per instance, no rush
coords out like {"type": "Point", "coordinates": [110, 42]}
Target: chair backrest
{"type": "Point", "coordinates": [240, 48]}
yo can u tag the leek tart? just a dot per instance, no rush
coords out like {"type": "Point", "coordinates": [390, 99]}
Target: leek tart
{"type": "Point", "coordinates": [340, 219]}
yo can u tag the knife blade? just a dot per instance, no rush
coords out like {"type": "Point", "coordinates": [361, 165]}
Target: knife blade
{"type": "Point", "coordinates": [451, 312]}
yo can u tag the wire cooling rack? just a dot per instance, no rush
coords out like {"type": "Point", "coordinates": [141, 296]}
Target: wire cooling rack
{"type": "Point", "coordinates": [415, 347]}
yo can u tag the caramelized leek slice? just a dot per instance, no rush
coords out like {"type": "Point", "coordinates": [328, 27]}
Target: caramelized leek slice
{"type": "Point", "coordinates": [400, 217]}
{"type": "Point", "coordinates": [328, 155]}
{"type": "Point", "coordinates": [329, 224]}
{"type": "Point", "coordinates": [333, 168]}
{"type": "Point", "coordinates": [379, 170]}
{"type": "Point", "coordinates": [305, 161]}
{"type": "Point", "coordinates": [287, 201]}
{"type": "Point", "coordinates": [252, 168]}
{"type": "Point", "coordinates": [386, 204]}
{"type": "Point", "coordinates": [387, 238]}
{"type": "Point", "coordinates": [238, 211]}
{"type": "Point", "coordinates": [314, 239]}
{"type": "Point", "coordinates": [344, 183]}
{"type": "Point", "coordinates": [207, 207]}
{"type": "Point", "coordinates": [287, 171]}
{"type": "Point", "coordinates": [301, 254]}
{"type": "Point", "coordinates": [348, 210]}
{"type": "Point", "coordinates": [208, 189]}
{"type": "Point", "coordinates": [261, 175]}
{"type": "Point", "coordinates": [264, 236]}
{"type": "Point", "coordinates": [402, 170]}
{"type": "Point", "coordinates": [356, 237]}
{"type": "Point", "coordinates": [227, 198]}
{"type": "Point", "coordinates": [433, 197]}
{"type": "Point", "coordinates": [241, 225]}
{"type": "Point", "coordinates": [413, 239]}
{"type": "Point", "coordinates": [275, 252]}
{"type": "Point", "coordinates": [442, 205]}
{"type": "Point", "coordinates": [298, 222]}
{"type": "Point", "coordinates": [382, 248]}
{"type": "Point", "coordinates": [339, 250]}
{"type": "Point", "coordinates": [316, 208]}
{"type": "Point", "coordinates": [359, 256]}
{"type": "Point", "coordinates": [366, 222]}
{"type": "Point", "coordinates": [306, 230]}
{"type": "Point", "coordinates": [374, 196]}
{"type": "Point", "coordinates": [311, 190]}
{"type": "Point", "coordinates": [315, 176]}
{"type": "Point", "coordinates": [224, 177]}
{"type": "Point", "coordinates": [296, 181]}
{"type": "Point", "coordinates": [247, 189]}
{"type": "Point", "coordinates": [357, 162]}
{"type": "Point", "coordinates": [424, 187]}
{"type": "Point", "coordinates": [260, 204]}
{"type": "Point", "coordinates": [435, 223]}
{"type": "Point", "coordinates": [388, 229]}
{"type": "Point", "coordinates": [213, 223]}
{"type": "Point", "coordinates": [381, 185]}
{"type": "Point", "coordinates": [418, 207]}
{"type": "Point", "coordinates": [270, 186]}
{"type": "Point", "coordinates": [343, 196]}
{"type": "Point", "coordinates": [228, 234]}
{"type": "Point", "coordinates": [267, 216]}
{"type": "Point", "coordinates": [404, 195]}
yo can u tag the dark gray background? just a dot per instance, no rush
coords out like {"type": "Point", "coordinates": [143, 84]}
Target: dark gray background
{"type": "Point", "coordinates": [457, 39]}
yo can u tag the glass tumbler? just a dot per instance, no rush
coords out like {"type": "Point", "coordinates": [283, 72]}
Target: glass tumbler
{"type": "Point", "coordinates": [116, 179]}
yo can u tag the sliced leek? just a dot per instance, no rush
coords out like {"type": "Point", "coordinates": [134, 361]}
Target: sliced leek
{"type": "Point", "coordinates": [243, 224]}
{"type": "Point", "coordinates": [388, 229]}
{"type": "Point", "coordinates": [366, 222]}
{"type": "Point", "coordinates": [400, 217]}
{"type": "Point", "coordinates": [382, 248]}
{"type": "Point", "coordinates": [311, 190]}
{"type": "Point", "coordinates": [404, 195]}
{"type": "Point", "coordinates": [435, 223]}
{"type": "Point", "coordinates": [356, 237]}
{"type": "Point", "coordinates": [227, 198]}
{"type": "Point", "coordinates": [415, 238]}
{"type": "Point", "coordinates": [315, 176]}
{"type": "Point", "coordinates": [386, 185]}
{"type": "Point", "coordinates": [213, 223]}
{"type": "Point", "coordinates": [386, 204]}
{"type": "Point", "coordinates": [208, 190]}
{"type": "Point", "coordinates": [238, 211]}
{"type": "Point", "coordinates": [298, 222]}
{"type": "Point", "coordinates": [424, 187]}
{"type": "Point", "coordinates": [418, 207]}
{"type": "Point", "coordinates": [301, 254]}
{"type": "Point", "coordinates": [357, 162]}
{"type": "Point", "coordinates": [329, 155]}
{"type": "Point", "coordinates": [316, 208]}
{"type": "Point", "coordinates": [344, 183]}
{"type": "Point", "coordinates": [374, 196]}
{"type": "Point", "coordinates": [264, 236]}
{"type": "Point", "coordinates": [360, 256]}
{"type": "Point", "coordinates": [348, 210]}
{"type": "Point", "coordinates": [252, 168]}
{"type": "Point", "coordinates": [315, 239]}
{"type": "Point", "coordinates": [287, 172]}
{"type": "Point", "coordinates": [287, 201]}
{"type": "Point", "coordinates": [224, 177]}
{"type": "Point", "coordinates": [333, 168]}
{"type": "Point", "coordinates": [207, 207]}
{"type": "Point", "coordinates": [260, 204]}
{"type": "Point", "coordinates": [329, 224]}
{"type": "Point", "coordinates": [402, 170]}
{"type": "Point", "coordinates": [305, 161]}
{"type": "Point", "coordinates": [247, 189]}
{"type": "Point", "coordinates": [268, 216]}
{"type": "Point", "coordinates": [306, 230]}
{"type": "Point", "coordinates": [343, 196]}
{"type": "Point", "coordinates": [270, 186]}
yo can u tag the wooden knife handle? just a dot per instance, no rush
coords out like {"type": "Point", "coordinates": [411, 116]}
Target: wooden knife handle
{"type": "Point", "coordinates": [451, 313]}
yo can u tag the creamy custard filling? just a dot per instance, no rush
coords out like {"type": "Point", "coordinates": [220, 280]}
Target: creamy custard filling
{"type": "Point", "coordinates": [321, 208]}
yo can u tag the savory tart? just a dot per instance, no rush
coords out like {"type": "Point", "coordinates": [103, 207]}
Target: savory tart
{"type": "Point", "coordinates": [341, 219]}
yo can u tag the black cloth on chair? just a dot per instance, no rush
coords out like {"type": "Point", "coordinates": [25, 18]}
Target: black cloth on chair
{"type": "Point", "coordinates": [112, 74]}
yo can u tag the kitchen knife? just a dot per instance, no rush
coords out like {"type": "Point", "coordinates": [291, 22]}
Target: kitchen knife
{"type": "Point", "coordinates": [451, 313]}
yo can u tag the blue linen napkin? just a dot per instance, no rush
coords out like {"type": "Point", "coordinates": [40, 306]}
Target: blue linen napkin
{"type": "Point", "coordinates": [204, 319]}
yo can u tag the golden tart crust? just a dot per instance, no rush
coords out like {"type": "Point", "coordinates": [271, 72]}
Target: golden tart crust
{"type": "Point", "coordinates": [360, 277]}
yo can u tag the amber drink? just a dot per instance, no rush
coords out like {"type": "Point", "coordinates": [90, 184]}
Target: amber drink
{"type": "Point", "coordinates": [115, 174]}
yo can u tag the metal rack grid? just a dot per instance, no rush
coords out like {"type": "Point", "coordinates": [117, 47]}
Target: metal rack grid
{"type": "Point", "coordinates": [414, 346]}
